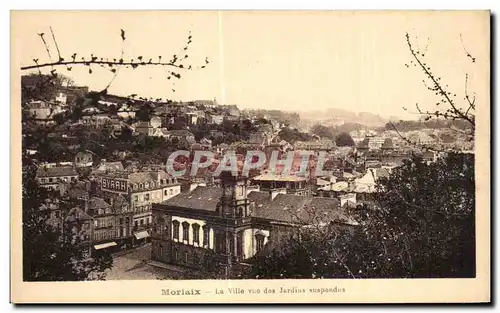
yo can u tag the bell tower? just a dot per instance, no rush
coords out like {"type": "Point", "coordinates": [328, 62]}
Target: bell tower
{"type": "Point", "coordinates": [234, 202]}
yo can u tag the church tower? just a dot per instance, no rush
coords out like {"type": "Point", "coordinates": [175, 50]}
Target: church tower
{"type": "Point", "coordinates": [234, 202]}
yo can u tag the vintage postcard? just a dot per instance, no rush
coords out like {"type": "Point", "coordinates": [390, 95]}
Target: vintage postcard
{"type": "Point", "coordinates": [250, 156]}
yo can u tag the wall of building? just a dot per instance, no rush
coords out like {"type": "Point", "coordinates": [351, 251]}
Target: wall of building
{"type": "Point", "coordinates": [104, 229]}
{"type": "Point", "coordinates": [249, 242]}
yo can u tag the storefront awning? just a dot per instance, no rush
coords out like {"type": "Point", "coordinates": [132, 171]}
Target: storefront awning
{"type": "Point", "coordinates": [105, 245]}
{"type": "Point", "coordinates": [141, 234]}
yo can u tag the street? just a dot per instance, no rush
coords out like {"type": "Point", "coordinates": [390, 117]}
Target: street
{"type": "Point", "coordinates": [134, 265]}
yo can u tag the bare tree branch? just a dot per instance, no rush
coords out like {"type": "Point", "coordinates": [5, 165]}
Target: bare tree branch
{"type": "Point", "coordinates": [473, 59]}
{"type": "Point", "coordinates": [440, 90]}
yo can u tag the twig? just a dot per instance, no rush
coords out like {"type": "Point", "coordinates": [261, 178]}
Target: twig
{"type": "Point", "coordinates": [472, 104]}
{"type": "Point", "coordinates": [467, 52]}
{"type": "Point", "coordinates": [46, 49]}
{"type": "Point", "coordinates": [437, 85]}
{"type": "Point", "coordinates": [115, 73]}
{"type": "Point", "coordinates": [114, 63]}
{"type": "Point", "coordinates": [55, 42]}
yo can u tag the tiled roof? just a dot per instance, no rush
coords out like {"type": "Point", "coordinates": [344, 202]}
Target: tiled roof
{"type": "Point", "coordinates": [117, 166]}
{"type": "Point", "coordinates": [382, 172]}
{"type": "Point", "coordinates": [201, 198]}
{"type": "Point", "coordinates": [119, 201]}
{"type": "Point", "coordinates": [77, 214]}
{"type": "Point", "coordinates": [56, 172]}
{"type": "Point", "coordinates": [180, 133]}
{"type": "Point", "coordinates": [284, 207]}
{"type": "Point", "coordinates": [98, 203]}
{"type": "Point", "coordinates": [364, 143]}
{"type": "Point", "coordinates": [258, 197]}
{"type": "Point", "coordinates": [292, 208]}
{"type": "Point", "coordinates": [272, 177]}
{"type": "Point", "coordinates": [142, 177]}
{"type": "Point", "coordinates": [78, 192]}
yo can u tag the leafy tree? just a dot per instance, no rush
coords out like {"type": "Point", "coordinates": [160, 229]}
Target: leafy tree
{"type": "Point", "coordinates": [429, 213]}
{"type": "Point", "coordinates": [48, 254]}
{"type": "Point", "coordinates": [344, 139]}
{"type": "Point", "coordinates": [145, 112]}
{"type": "Point", "coordinates": [293, 135]}
{"type": "Point", "coordinates": [323, 131]}
{"type": "Point", "coordinates": [422, 227]}
{"type": "Point", "coordinates": [126, 134]}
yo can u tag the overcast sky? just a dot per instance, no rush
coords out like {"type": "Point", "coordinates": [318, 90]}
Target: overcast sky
{"type": "Point", "coordinates": [280, 60]}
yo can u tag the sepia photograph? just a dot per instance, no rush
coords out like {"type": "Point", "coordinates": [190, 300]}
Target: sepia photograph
{"type": "Point", "coordinates": [250, 156]}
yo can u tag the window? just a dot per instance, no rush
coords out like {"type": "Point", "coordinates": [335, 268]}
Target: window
{"type": "Point", "coordinates": [146, 197]}
{"type": "Point", "coordinates": [57, 214]}
{"type": "Point", "coordinates": [196, 233]}
{"type": "Point", "coordinates": [121, 221]}
{"type": "Point", "coordinates": [43, 180]}
{"type": "Point", "coordinates": [136, 198]}
{"type": "Point", "coordinates": [185, 231]}
{"type": "Point", "coordinates": [166, 192]}
{"type": "Point", "coordinates": [51, 180]}
{"type": "Point", "coordinates": [186, 256]}
{"type": "Point", "coordinates": [176, 255]}
{"type": "Point", "coordinates": [142, 221]}
{"type": "Point", "coordinates": [260, 242]}
{"type": "Point", "coordinates": [136, 223]}
{"type": "Point", "coordinates": [206, 233]}
{"type": "Point", "coordinates": [171, 191]}
{"type": "Point", "coordinates": [175, 230]}
{"type": "Point", "coordinates": [112, 184]}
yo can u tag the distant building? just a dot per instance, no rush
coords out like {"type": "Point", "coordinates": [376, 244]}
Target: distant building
{"type": "Point", "coordinates": [315, 145]}
{"type": "Point", "coordinates": [288, 184]}
{"type": "Point", "coordinates": [223, 229]}
{"type": "Point", "coordinates": [49, 177]}
{"type": "Point", "coordinates": [84, 159]}
{"type": "Point", "coordinates": [216, 119]}
{"type": "Point", "coordinates": [81, 226]}
{"type": "Point", "coordinates": [95, 120]}
{"type": "Point", "coordinates": [141, 189]}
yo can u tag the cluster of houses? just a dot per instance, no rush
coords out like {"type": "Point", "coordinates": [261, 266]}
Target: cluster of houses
{"type": "Point", "coordinates": [113, 205]}
{"type": "Point", "coordinates": [208, 222]}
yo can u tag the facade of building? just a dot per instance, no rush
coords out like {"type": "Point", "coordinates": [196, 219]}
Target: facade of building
{"type": "Point", "coordinates": [50, 177]}
{"type": "Point", "coordinates": [289, 184]}
{"type": "Point", "coordinates": [81, 226]}
{"type": "Point", "coordinates": [141, 190]}
{"type": "Point", "coordinates": [104, 222]}
{"type": "Point", "coordinates": [224, 227]}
